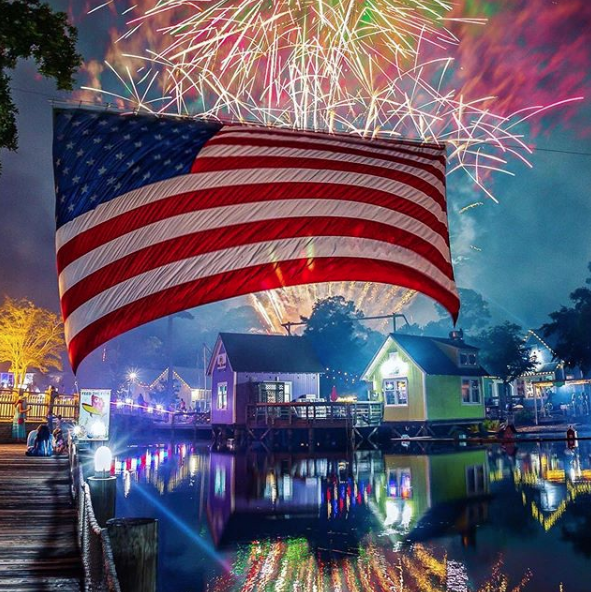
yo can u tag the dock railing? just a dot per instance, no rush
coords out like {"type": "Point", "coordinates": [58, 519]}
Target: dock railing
{"type": "Point", "coordinates": [100, 574]}
{"type": "Point", "coordinates": [358, 414]}
{"type": "Point", "coordinates": [38, 405]}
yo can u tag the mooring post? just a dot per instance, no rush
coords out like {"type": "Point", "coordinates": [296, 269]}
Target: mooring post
{"type": "Point", "coordinates": [135, 551]}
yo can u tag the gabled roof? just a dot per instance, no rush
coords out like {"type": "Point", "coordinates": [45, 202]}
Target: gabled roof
{"type": "Point", "coordinates": [249, 352]}
{"type": "Point", "coordinates": [428, 354]}
{"type": "Point", "coordinates": [432, 359]}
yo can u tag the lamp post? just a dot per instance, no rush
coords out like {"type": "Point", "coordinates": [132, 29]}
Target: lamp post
{"type": "Point", "coordinates": [102, 486]}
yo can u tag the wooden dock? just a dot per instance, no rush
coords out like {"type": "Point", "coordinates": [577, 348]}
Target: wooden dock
{"type": "Point", "coordinates": [38, 541]}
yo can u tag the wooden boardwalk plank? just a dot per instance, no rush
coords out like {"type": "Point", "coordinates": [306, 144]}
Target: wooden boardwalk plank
{"type": "Point", "coordinates": [38, 540]}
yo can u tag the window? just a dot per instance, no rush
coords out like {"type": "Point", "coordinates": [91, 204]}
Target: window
{"type": "Point", "coordinates": [475, 480]}
{"type": "Point", "coordinates": [399, 483]}
{"type": "Point", "coordinates": [470, 390]}
{"type": "Point", "coordinates": [468, 359]}
{"type": "Point", "coordinates": [223, 395]}
{"type": "Point", "coordinates": [395, 391]}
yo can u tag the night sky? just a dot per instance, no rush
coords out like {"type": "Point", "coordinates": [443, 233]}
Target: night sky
{"type": "Point", "coordinates": [524, 255]}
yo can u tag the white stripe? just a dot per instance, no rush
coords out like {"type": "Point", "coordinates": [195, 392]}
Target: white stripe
{"type": "Point", "coordinates": [191, 222]}
{"type": "Point", "coordinates": [343, 139]}
{"type": "Point", "coordinates": [209, 264]}
{"type": "Point", "coordinates": [230, 151]}
{"type": "Point", "coordinates": [313, 141]}
{"type": "Point", "coordinates": [186, 183]}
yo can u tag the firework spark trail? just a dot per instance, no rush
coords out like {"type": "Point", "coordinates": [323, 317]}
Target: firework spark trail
{"type": "Point", "coordinates": [368, 68]}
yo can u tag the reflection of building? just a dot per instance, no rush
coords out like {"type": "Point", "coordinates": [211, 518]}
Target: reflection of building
{"type": "Point", "coordinates": [427, 380]}
{"type": "Point", "coordinates": [287, 495]}
{"type": "Point", "coordinates": [430, 495]}
{"type": "Point", "coordinates": [550, 482]}
{"type": "Point", "coordinates": [248, 368]}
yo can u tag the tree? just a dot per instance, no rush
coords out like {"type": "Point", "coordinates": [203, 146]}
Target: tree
{"type": "Point", "coordinates": [341, 341]}
{"type": "Point", "coordinates": [474, 316]}
{"type": "Point", "coordinates": [32, 29]}
{"type": "Point", "coordinates": [30, 337]}
{"type": "Point", "coordinates": [572, 328]}
{"type": "Point", "coordinates": [504, 353]}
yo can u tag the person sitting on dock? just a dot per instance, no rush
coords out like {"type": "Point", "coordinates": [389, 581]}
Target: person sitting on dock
{"type": "Point", "coordinates": [44, 443]}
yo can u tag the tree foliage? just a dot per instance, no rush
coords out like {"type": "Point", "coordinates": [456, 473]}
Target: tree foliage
{"type": "Point", "coordinates": [30, 337]}
{"type": "Point", "coordinates": [340, 339]}
{"type": "Point", "coordinates": [572, 328]}
{"type": "Point", "coordinates": [32, 29]}
{"type": "Point", "coordinates": [504, 353]}
{"type": "Point", "coordinates": [474, 316]}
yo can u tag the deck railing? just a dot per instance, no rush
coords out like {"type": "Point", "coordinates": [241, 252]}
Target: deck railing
{"type": "Point", "coordinates": [38, 405]}
{"type": "Point", "coordinates": [100, 574]}
{"type": "Point", "coordinates": [307, 413]}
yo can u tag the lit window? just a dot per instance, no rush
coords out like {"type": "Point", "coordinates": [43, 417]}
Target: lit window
{"type": "Point", "coordinates": [395, 391]}
{"type": "Point", "coordinates": [470, 390]}
{"type": "Point", "coordinates": [223, 395]}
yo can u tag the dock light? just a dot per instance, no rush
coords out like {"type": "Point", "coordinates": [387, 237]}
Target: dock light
{"type": "Point", "coordinates": [159, 407]}
{"type": "Point", "coordinates": [103, 459]}
{"type": "Point", "coordinates": [132, 376]}
{"type": "Point", "coordinates": [150, 409]}
{"type": "Point", "coordinates": [119, 403]}
{"type": "Point", "coordinates": [129, 401]}
{"type": "Point", "coordinates": [98, 429]}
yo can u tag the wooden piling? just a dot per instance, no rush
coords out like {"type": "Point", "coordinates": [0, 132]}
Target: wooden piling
{"type": "Point", "coordinates": [135, 550]}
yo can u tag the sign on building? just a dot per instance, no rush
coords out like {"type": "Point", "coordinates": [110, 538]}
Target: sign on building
{"type": "Point", "coordinates": [95, 414]}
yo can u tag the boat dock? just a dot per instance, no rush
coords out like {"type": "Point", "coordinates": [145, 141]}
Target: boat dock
{"type": "Point", "coordinates": [38, 539]}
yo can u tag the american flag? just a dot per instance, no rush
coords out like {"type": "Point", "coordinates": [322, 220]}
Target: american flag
{"type": "Point", "coordinates": [155, 215]}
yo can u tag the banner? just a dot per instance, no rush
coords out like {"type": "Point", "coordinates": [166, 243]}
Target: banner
{"type": "Point", "coordinates": [95, 413]}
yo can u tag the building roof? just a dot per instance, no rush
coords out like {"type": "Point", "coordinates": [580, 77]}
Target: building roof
{"type": "Point", "coordinates": [429, 355]}
{"type": "Point", "coordinates": [249, 352]}
{"type": "Point", "coordinates": [425, 351]}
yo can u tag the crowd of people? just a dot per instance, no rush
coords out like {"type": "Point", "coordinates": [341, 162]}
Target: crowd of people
{"type": "Point", "coordinates": [47, 439]}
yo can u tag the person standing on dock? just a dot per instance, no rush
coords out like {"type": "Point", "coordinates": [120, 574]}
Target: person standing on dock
{"type": "Point", "coordinates": [19, 432]}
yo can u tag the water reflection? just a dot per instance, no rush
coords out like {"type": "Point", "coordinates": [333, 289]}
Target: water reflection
{"type": "Point", "coordinates": [470, 519]}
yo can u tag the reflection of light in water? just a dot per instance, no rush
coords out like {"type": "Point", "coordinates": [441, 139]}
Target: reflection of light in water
{"type": "Point", "coordinates": [392, 513]}
{"type": "Point", "coordinates": [126, 482]}
{"type": "Point", "coordinates": [182, 526]}
{"type": "Point", "coordinates": [456, 577]}
{"type": "Point", "coordinates": [193, 466]}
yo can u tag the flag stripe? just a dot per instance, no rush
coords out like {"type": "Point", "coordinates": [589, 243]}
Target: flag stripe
{"type": "Point", "coordinates": [394, 145]}
{"type": "Point", "coordinates": [190, 245]}
{"type": "Point", "coordinates": [238, 142]}
{"type": "Point", "coordinates": [242, 257]}
{"type": "Point", "coordinates": [336, 168]}
{"type": "Point", "coordinates": [245, 281]}
{"type": "Point", "coordinates": [292, 211]}
{"type": "Point", "coordinates": [155, 202]}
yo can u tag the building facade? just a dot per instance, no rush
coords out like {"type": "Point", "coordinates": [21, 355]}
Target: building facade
{"type": "Point", "coordinates": [427, 379]}
{"type": "Point", "coordinates": [249, 368]}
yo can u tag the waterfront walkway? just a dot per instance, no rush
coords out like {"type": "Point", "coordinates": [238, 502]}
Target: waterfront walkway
{"type": "Point", "coordinates": [38, 541]}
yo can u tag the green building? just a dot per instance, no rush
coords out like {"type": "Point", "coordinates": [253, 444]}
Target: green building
{"type": "Point", "coordinates": [427, 384]}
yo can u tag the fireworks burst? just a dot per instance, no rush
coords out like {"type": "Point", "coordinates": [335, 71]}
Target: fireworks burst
{"type": "Point", "coordinates": [366, 67]}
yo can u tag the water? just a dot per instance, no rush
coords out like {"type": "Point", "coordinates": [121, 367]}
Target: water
{"type": "Point", "coordinates": [478, 519]}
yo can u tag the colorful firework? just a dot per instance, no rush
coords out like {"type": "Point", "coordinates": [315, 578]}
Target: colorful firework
{"type": "Point", "coordinates": [373, 68]}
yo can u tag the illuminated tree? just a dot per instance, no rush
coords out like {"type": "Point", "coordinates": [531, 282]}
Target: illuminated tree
{"type": "Point", "coordinates": [30, 337]}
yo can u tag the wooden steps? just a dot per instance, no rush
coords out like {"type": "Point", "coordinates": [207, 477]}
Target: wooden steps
{"type": "Point", "coordinates": [38, 541]}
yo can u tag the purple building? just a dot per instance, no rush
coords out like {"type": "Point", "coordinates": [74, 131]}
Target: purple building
{"type": "Point", "coordinates": [249, 368]}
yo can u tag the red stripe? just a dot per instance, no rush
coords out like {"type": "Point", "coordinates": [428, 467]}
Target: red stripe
{"type": "Point", "coordinates": [420, 148]}
{"type": "Point", "coordinates": [223, 196]}
{"type": "Point", "coordinates": [206, 164]}
{"type": "Point", "coordinates": [271, 142]}
{"type": "Point", "coordinates": [246, 281]}
{"type": "Point", "coordinates": [177, 249]}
